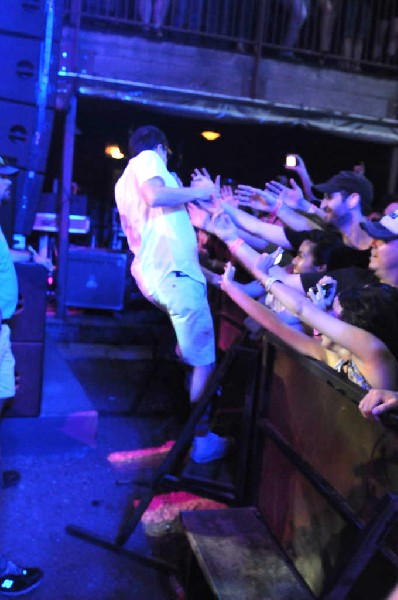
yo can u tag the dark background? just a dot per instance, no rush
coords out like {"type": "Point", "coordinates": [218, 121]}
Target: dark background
{"type": "Point", "coordinates": [247, 153]}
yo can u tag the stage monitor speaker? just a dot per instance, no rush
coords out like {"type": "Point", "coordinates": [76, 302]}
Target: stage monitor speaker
{"type": "Point", "coordinates": [96, 278]}
{"type": "Point", "coordinates": [29, 357]}
{"type": "Point", "coordinates": [28, 18]}
{"type": "Point", "coordinates": [28, 322]}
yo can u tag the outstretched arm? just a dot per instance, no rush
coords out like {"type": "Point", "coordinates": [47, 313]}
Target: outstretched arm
{"type": "Point", "coordinates": [301, 170]}
{"type": "Point", "coordinates": [155, 192]}
{"type": "Point", "coordinates": [275, 200]}
{"type": "Point", "coordinates": [294, 200]}
{"type": "Point", "coordinates": [257, 264]}
{"type": "Point", "coordinates": [367, 348]}
{"type": "Point", "coordinates": [269, 319]}
{"type": "Point", "coordinates": [267, 231]}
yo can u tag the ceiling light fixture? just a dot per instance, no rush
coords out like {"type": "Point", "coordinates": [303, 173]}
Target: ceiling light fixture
{"type": "Point", "coordinates": [114, 152]}
{"type": "Point", "coordinates": [210, 136]}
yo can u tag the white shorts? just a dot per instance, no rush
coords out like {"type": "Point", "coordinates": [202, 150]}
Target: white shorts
{"type": "Point", "coordinates": [185, 301]}
{"type": "Point", "coordinates": [7, 365]}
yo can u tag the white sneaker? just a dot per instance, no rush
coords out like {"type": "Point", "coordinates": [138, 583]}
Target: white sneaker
{"type": "Point", "coordinates": [209, 447]}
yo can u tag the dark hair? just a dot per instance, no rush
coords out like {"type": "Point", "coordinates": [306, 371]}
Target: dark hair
{"type": "Point", "coordinates": [146, 137]}
{"type": "Point", "coordinates": [382, 204]}
{"type": "Point", "coordinates": [326, 247]}
{"type": "Point", "coordinates": [374, 309]}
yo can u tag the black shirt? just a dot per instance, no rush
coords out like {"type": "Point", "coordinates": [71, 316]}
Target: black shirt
{"type": "Point", "coordinates": [343, 255]}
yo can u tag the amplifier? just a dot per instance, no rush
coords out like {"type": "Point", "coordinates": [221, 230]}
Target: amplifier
{"type": "Point", "coordinates": [29, 357]}
{"type": "Point", "coordinates": [48, 223]}
{"type": "Point", "coordinates": [28, 322]}
{"type": "Point", "coordinates": [96, 278]}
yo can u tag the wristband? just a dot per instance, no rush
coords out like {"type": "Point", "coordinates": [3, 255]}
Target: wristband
{"type": "Point", "coordinates": [270, 282]}
{"type": "Point", "coordinates": [233, 246]}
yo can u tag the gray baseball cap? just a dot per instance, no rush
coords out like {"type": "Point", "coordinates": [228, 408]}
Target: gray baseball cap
{"type": "Point", "coordinates": [386, 229]}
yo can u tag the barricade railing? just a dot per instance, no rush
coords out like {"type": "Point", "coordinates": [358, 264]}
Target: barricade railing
{"type": "Point", "coordinates": [324, 478]}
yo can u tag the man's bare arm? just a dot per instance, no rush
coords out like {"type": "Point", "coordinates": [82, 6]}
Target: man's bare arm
{"type": "Point", "coordinates": [156, 193]}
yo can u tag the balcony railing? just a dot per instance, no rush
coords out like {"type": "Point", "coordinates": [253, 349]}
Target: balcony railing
{"type": "Point", "coordinates": [352, 35]}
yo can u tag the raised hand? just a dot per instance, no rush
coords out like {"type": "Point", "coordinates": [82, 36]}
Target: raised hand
{"type": "Point", "coordinates": [223, 227]}
{"type": "Point", "coordinates": [201, 178]}
{"type": "Point", "coordinates": [199, 174]}
{"type": "Point", "coordinates": [228, 276]}
{"type": "Point", "coordinates": [266, 261]}
{"type": "Point", "coordinates": [377, 402]}
{"type": "Point", "coordinates": [292, 196]}
{"type": "Point", "coordinates": [227, 195]}
{"type": "Point", "coordinates": [204, 188]}
{"type": "Point", "coordinates": [255, 198]}
{"type": "Point", "coordinates": [324, 292]}
{"type": "Point", "coordinates": [299, 168]}
{"type": "Point", "coordinates": [200, 218]}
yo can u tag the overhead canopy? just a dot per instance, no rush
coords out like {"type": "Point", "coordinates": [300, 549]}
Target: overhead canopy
{"type": "Point", "coordinates": [230, 108]}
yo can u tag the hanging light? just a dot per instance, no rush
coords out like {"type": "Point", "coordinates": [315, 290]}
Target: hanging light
{"type": "Point", "coordinates": [210, 136]}
{"type": "Point", "coordinates": [114, 152]}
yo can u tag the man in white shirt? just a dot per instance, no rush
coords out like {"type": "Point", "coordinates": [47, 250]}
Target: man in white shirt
{"type": "Point", "coordinates": [8, 303]}
{"type": "Point", "coordinates": [151, 204]}
{"type": "Point", "coordinates": [14, 580]}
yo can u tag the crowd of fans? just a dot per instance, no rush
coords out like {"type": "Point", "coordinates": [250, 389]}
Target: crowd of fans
{"type": "Point", "coordinates": [334, 295]}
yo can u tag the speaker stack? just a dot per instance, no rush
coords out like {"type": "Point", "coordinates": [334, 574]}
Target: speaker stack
{"type": "Point", "coordinates": [27, 335]}
{"type": "Point", "coordinates": [29, 48]}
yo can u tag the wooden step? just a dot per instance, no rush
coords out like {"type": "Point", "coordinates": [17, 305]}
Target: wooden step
{"type": "Point", "coordinates": [238, 558]}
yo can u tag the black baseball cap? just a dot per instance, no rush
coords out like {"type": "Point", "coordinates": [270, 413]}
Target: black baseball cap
{"type": "Point", "coordinates": [386, 229]}
{"type": "Point", "coordinates": [6, 169]}
{"type": "Point", "coordinates": [352, 183]}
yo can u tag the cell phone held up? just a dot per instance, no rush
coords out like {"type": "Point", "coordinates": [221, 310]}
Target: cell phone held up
{"type": "Point", "coordinates": [277, 256]}
{"type": "Point", "coordinates": [325, 288]}
{"type": "Point", "coordinates": [291, 161]}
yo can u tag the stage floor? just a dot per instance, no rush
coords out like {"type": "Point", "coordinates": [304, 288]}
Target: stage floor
{"type": "Point", "coordinates": [102, 401]}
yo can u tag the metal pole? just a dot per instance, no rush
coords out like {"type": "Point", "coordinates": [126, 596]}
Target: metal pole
{"type": "Point", "coordinates": [67, 166]}
{"type": "Point", "coordinates": [66, 186]}
{"type": "Point", "coordinates": [393, 174]}
{"type": "Point", "coordinates": [258, 48]}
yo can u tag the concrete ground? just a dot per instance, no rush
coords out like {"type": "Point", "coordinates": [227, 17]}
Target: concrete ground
{"type": "Point", "coordinates": [100, 401]}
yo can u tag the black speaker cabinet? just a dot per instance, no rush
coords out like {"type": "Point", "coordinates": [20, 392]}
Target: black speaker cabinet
{"type": "Point", "coordinates": [29, 378]}
{"type": "Point", "coordinates": [21, 70]}
{"type": "Point", "coordinates": [28, 322]}
{"type": "Point", "coordinates": [18, 123]}
{"type": "Point", "coordinates": [96, 278]}
{"type": "Point", "coordinates": [28, 17]}
{"type": "Point", "coordinates": [29, 47]}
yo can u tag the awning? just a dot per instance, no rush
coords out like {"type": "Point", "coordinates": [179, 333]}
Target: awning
{"type": "Point", "coordinates": [207, 105]}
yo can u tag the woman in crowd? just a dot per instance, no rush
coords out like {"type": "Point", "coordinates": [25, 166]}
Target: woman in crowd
{"type": "Point", "coordinates": [355, 336]}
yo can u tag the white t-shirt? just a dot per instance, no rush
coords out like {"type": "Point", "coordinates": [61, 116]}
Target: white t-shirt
{"type": "Point", "coordinates": [162, 239]}
{"type": "Point", "coordinates": [8, 280]}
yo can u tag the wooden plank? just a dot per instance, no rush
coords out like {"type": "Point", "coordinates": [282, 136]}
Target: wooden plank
{"type": "Point", "coordinates": [238, 556]}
